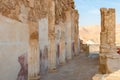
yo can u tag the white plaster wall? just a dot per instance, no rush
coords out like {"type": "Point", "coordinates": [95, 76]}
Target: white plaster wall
{"type": "Point", "coordinates": [13, 42]}
{"type": "Point", "coordinates": [68, 40]}
{"type": "Point", "coordinates": [57, 33]}
{"type": "Point", "coordinates": [43, 43]}
{"type": "Point", "coordinates": [43, 33]}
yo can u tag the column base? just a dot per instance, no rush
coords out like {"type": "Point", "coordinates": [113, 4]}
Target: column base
{"type": "Point", "coordinates": [68, 60]}
{"type": "Point", "coordinates": [76, 54]}
{"type": "Point", "coordinates": [113, 62]}
{"type": "Point", "coordinates": [102, 63]}
{"type": "Point", "coordinates": [69, 57]}
{"type": "Point", "coordinates": [62, 63]}
{"type": "Point", "coordinates": [34, 78]}
{"type": "Point", "coordinates": [52, 70]}
{"type": "Point", "coordinates": [109, 63]}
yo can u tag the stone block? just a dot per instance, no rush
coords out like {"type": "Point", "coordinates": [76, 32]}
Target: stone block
{"type": "Point", "coordinates": [113, 62]}
{"type": "Point", "coordinates": [112, 76]}
{"type": "Point", "coordinates": [102, 63]}
{"type": "Point", "coordinates": [99, 77]}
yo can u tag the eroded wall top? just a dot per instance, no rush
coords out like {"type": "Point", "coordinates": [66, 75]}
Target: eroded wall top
{"type": "Point", "coordinates": [32, 10]}
{"type": "Point", "coordinates": [25, 9]}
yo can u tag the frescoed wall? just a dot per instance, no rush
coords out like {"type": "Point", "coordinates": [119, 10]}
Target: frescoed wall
{"type": "Point", "coordinates": [13, 43]}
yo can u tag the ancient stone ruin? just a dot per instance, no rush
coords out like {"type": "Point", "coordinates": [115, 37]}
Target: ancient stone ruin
{"type": "Point", "coordinates": [38, 37]}
{"type": "Point", "coordinates": [47, 30]}
{"type": "Point", "coordinates": [109, 59]}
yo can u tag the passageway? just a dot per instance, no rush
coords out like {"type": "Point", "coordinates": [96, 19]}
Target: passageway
{"type": "Point", "coordinates": [80, 68]}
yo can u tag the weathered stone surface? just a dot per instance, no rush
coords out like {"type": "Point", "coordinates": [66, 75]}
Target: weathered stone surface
{"type": "Point", "coordinates": [84, 48]}
{"type": "Point", "coordinates": [113, 63]}
{"type": "Point", "coordinates": [43, 44]}
{"type": "Point", "coordinates": [40, 17]}
{"type": "Point", "coordinates": [60, 42]}
{"type": "Point", "coordinates": [51, 37]}
{"type": "Point", "coordinates": [68, 35]}
{"type": "Point", "coordinates": [108, 56]}
{"type": "Point", "coordinates": [33, 56]}
{"type": "Point", "coordinates": [112, 76]}
{"type": "Point", "coordinates": [109, 60]}
{"type": "Point", "coordinates": [76, 31]}
{"type": "Point", "coordinates": [61, 7]}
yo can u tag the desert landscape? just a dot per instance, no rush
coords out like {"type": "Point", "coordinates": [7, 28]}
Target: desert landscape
{"type": "Point", "coordinates": [92, 33]}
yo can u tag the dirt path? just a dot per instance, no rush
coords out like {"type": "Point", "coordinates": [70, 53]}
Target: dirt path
{"type": "Point", "coordinates": [80, 68]}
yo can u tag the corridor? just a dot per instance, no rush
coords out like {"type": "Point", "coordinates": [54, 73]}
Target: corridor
{"type": "Point", "coordinates": [80, 68]}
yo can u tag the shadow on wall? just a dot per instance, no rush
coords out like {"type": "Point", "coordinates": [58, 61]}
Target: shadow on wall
{"type": "Point", "coordinates": [58, 55]}
{"type": "Point", "coordinates": [73, 49]}
{"type": "Point", "coordinates": [44, 60]}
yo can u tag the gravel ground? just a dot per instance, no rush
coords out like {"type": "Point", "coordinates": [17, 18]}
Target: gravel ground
{"type": "Point", "coordinates": [79, 68]}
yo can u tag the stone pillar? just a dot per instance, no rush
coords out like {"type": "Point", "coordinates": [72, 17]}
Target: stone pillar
{"type": "Point", "coordinates": [43, 44]}
{"type": "Point", "coordinates": [57, 40]}
{"type": "Point", "coordinates": [33, 55]}
{"type": "Point", "coordinates": [108, 55]}
{"type": "Point", "coordinates": [51, 37]}
{"type": "Point", "coordinates": [111, 30]}
{"type": "Point", "coordinates": [62, 43]}
{"type": "Point", "coordinates": [76, 38]}
{"type": "Point", "coordinates": [103, 40]}
{"type": "Point", "coordinates": [73, 31]}
{"type": "Point", "coordinates": [68, 35]}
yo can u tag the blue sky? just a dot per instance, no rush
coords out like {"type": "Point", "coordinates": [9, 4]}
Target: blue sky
{"type": "Point", "coordinates": [89, 10]}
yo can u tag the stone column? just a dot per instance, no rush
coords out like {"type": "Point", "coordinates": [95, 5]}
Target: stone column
{"type": "Point", "coordinates": [103, 40]}
{"type": "Point", "coordinates": [57, 41]}
{"type": "Point", "coordinates": [33, 55]}
{"type": "Point", "coordinates": [43, 44]}
{"type": "Point", "coordinates": [68, 35]}
{"type": "Point", "coordinates": [76, 38]}
{"type": "Point", "coordinates": [51, 37]}
{"type": "Point", "coordinates": [62, 43]}
{"type": "Point", "coordinates": [73, 31]}
{"type": "Point", "coordinates": [113, 58]}
{"type": "Point", "coordinates": [109, 59]}
{"type": "Point", "coordinates": [78, 49]}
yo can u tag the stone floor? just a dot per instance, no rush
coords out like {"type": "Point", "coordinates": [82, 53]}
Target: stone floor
{"type": "Point", "coordinates": [80, 68]}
